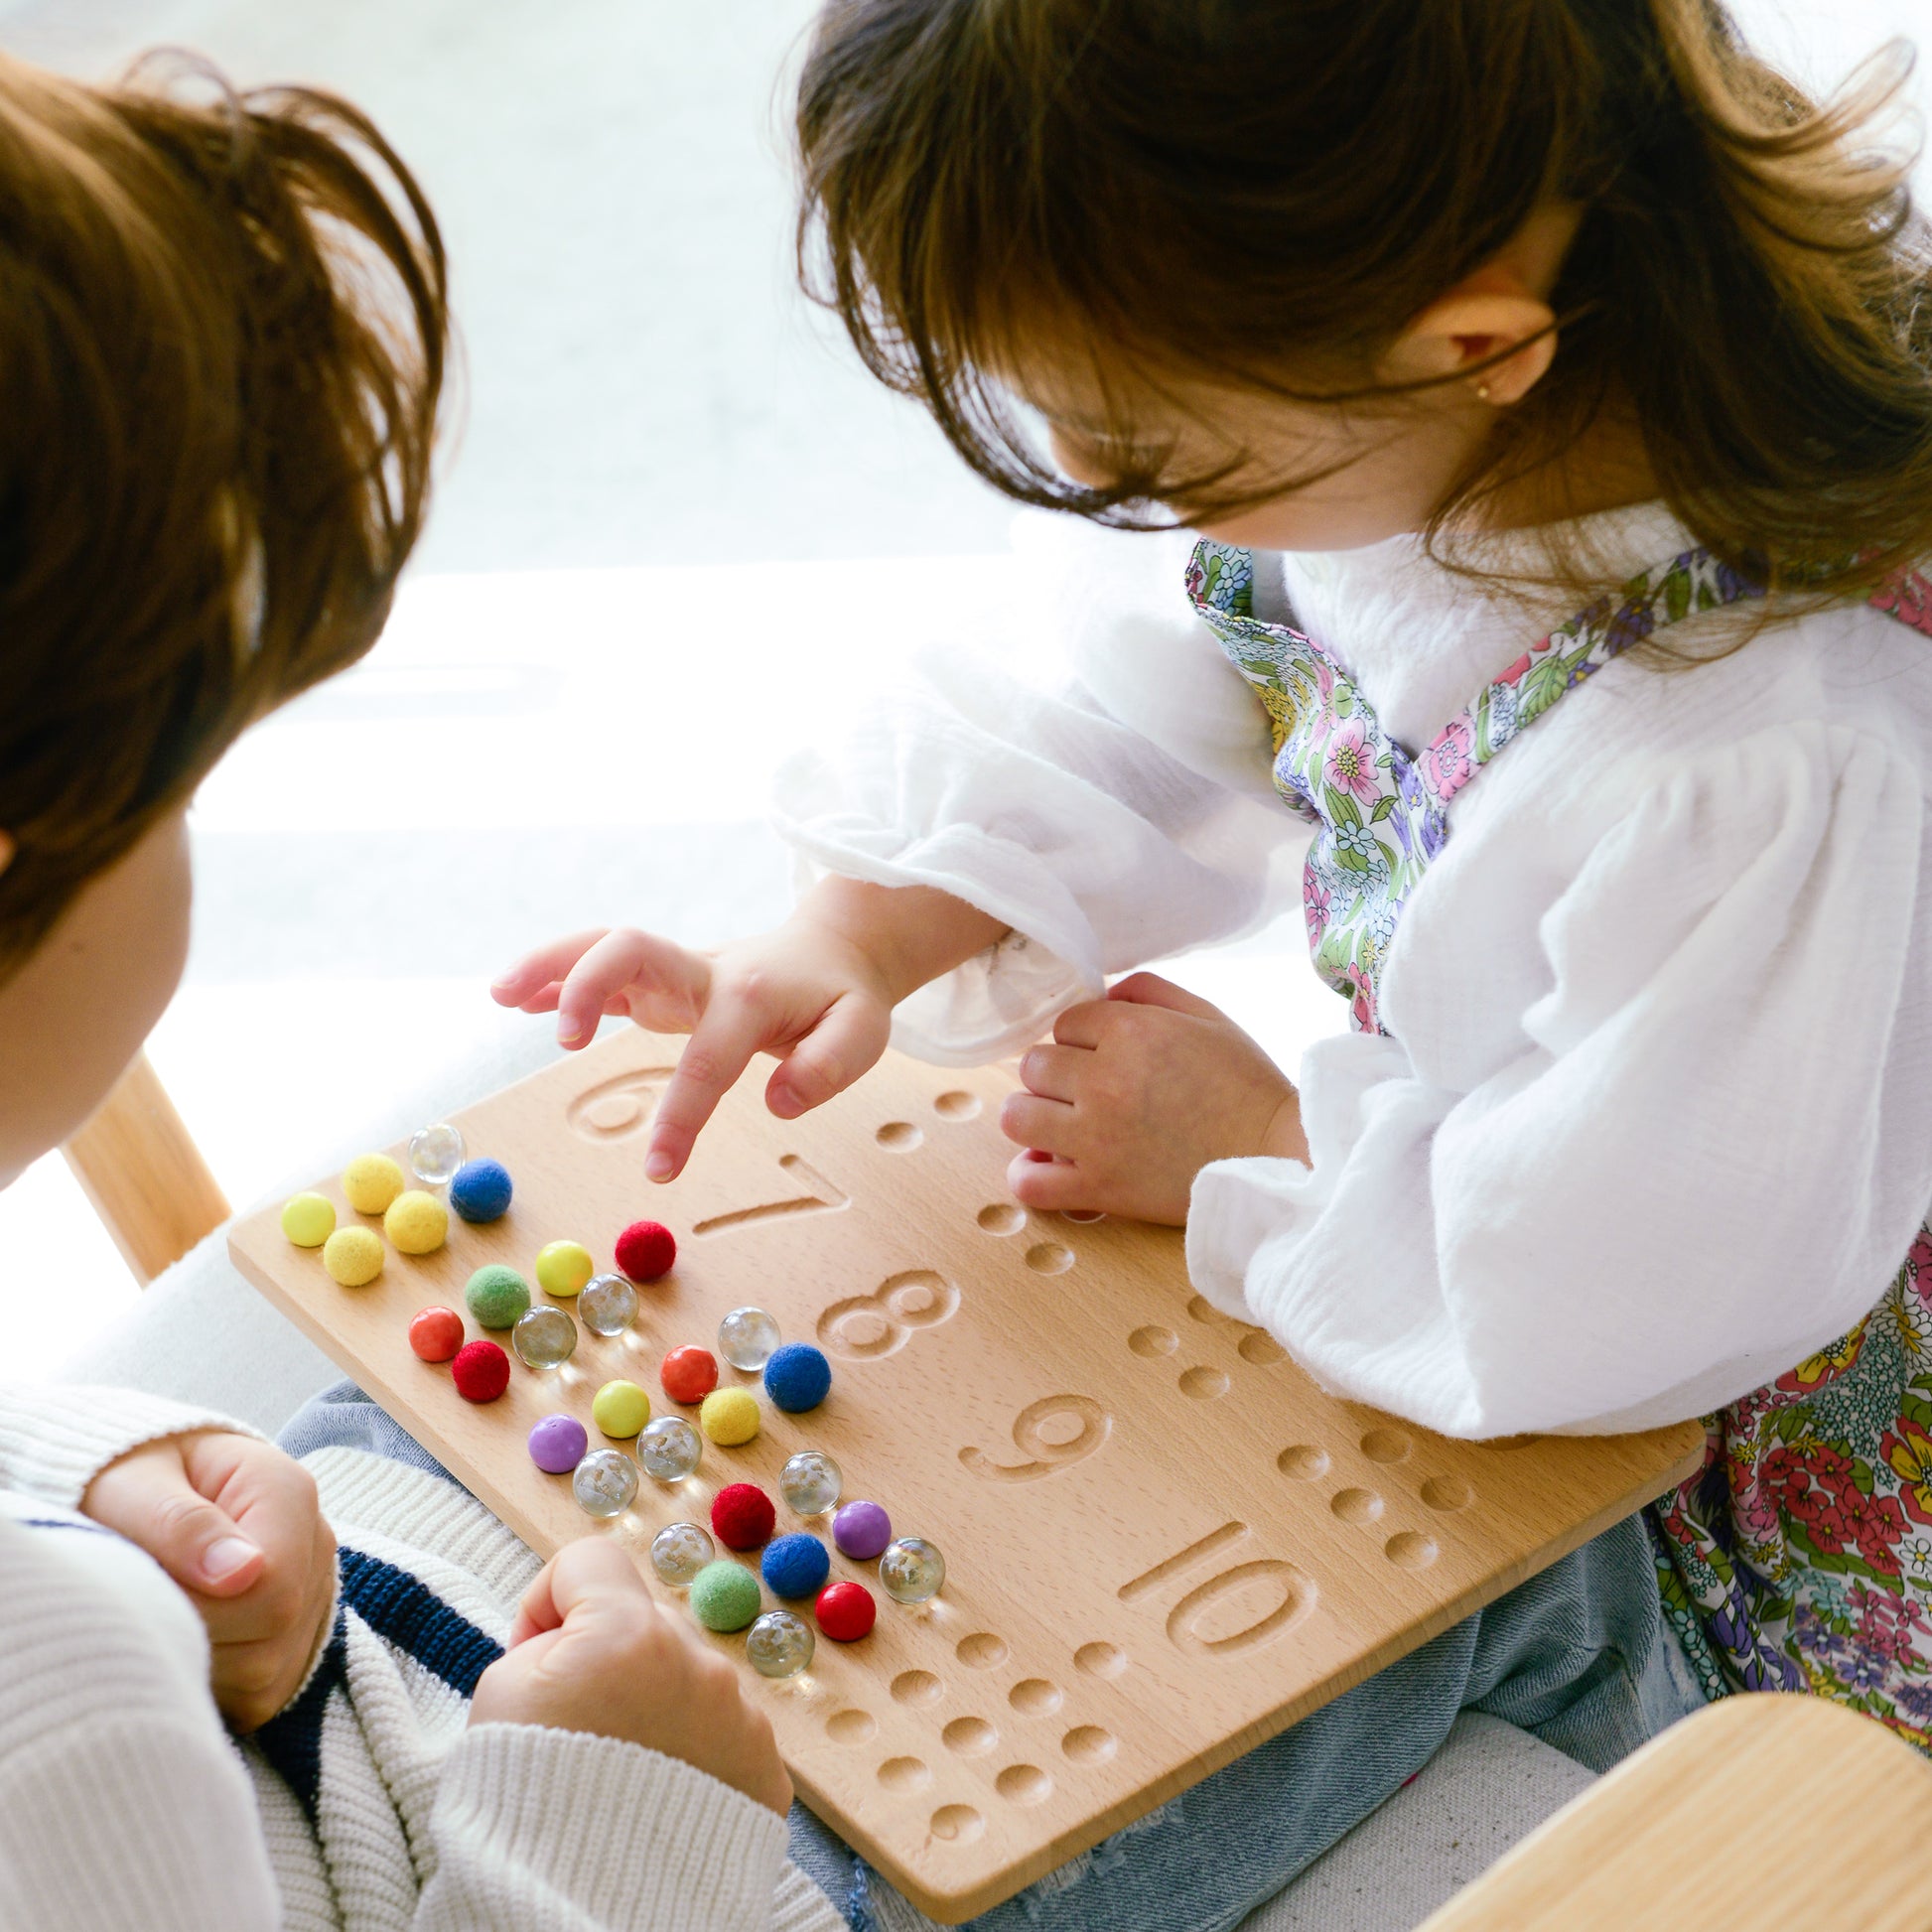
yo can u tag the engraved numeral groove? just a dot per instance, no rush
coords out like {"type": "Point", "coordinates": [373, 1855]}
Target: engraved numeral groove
{"type": "Point", "coordinates": [822, 1198]}
{"type": "Point", "coordinates": [1030, 1438]}
{"type": "Point", "coordinates": [1297, 1593]}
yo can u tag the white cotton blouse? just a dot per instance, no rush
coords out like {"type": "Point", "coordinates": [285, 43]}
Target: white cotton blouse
{"type": "Point", "coordinates": [1653, 1119]}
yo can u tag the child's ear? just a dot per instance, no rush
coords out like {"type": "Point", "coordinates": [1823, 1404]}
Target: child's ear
{"type": "Point", "coordinates": [1470, 331]}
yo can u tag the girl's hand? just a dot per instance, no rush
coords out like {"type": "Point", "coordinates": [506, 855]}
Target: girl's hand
{"type": "Point", "coordinates": [238, 1525]}
{"type": "Point", "coordinates": [592, 1652]}
{"type": "Point", "coordinates": [818, 991]}
{"type": "Point", "coordinates": [1137, 1093]}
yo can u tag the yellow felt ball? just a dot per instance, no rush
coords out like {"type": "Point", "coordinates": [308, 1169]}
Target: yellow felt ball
{"type": "Point", "coordinates": [353, 1256]}
{"type": "Point", "coordinates": [621, 1409]}
{"type": "Point", "coordinates": [563, 1266]}
{"type": "Point", "coordinates": [730, 1415]}
{"type": "Point", "coordinates": [309, 1220]}
{"type": "Point", "coordinates": [416, 1222]}
{"type": "Point", "coordinates": [371, 1182]}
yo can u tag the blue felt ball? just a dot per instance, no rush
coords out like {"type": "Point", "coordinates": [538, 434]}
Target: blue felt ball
{"type": "Point", "coordinates": [797, 1377]}
{"type": "Point", "coordinates": [795, 1565]}
{"type": "Point", "coordinates": [480, 1191]}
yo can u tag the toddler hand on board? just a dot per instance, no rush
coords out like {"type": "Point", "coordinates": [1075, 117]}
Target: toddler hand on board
{"type": "Point", "coordinates": [236, 1524]}
{"type": "Point", "coordinates": [1135, 1095]}
{"type": "Point", "coordinates": [591, 1651]}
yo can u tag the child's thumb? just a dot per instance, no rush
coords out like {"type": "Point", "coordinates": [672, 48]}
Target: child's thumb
{"type": "Point", "coordinates": [153, 1504]}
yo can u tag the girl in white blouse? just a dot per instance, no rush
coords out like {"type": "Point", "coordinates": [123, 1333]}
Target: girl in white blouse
{"type": "Point", "coordinates": [1554, 373]}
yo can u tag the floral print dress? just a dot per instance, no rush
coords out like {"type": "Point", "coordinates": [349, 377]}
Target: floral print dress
{"type": "Point", "coordinates": [1800, 1557]}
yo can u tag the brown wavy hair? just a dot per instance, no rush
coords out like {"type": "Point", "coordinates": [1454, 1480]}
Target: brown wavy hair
{"type": "Point", "coordinates": [223, 333]}
{"type": "Point", "coordinates": [1263, 193]}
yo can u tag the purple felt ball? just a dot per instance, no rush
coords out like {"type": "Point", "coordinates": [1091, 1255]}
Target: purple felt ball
{"type": "Point", "coordinates": [557, 1444]}
{"type": "Point", "coordinates": [862, 1530]}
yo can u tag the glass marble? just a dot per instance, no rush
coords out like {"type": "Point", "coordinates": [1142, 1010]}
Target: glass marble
{"type": "Point", "coordinates": [669, 1449]}
{"type": "Point", "coordinates": [435, 1153]}
{"type": "Point", "coordinates": [679, 1551]}
{"type": "Point", "coordinates": [779, 1644]}
{"type": "Point", "coordinates": [608, 1305]}
{"type": "Point", "coordinates": [544, 1337]}
{"type": "Point", "coordinates": [912, 1570]}
{"type": "Point", "coordinates": [747, 1338]}
{"type": "Point", "coordinates": [810, 1482]}
{"type": "Point", "coordinates": [605, 1483]}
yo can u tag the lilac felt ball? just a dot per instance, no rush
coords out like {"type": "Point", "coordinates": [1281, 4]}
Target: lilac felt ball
{"type": "Point", "coordinates": [862, 1530]}
{"type": "Point", "coordinates": [557, 1444]}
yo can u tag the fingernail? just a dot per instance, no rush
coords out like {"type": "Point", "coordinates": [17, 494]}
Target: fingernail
{"type": "Point", "coordinates": [569, 1030]}
{"type": "Point", "coordinates": [657, 1167]}
{"type": "Point", "coordinates": [224, 1557]}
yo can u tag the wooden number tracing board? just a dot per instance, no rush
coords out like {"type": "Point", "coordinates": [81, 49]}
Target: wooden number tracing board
{"type": "Point", "coordinates": [1164, 1544]}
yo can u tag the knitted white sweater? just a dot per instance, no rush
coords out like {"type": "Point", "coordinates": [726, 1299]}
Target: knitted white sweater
{"type": "Point", "coordinates": [369, 1802]}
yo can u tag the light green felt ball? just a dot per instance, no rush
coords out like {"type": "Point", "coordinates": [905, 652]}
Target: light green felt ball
{"type": "Point", "coordinates": [498, 1295]}
{"type": "Point", "coordinates": [309, 1220]}
{"type": "Point", "coordinates": [724, 1595]}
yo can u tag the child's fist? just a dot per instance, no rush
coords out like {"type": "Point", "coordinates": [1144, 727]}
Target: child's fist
{"type": "Point", "coordinates": [591, 1651]}
{"type": "Point", "coordinates": [236, 1524]}
{"type": "Point", "coordinates": [1137, 1093]}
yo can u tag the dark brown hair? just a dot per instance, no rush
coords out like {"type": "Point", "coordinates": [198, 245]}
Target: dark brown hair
{"type": "Point", "coordinates": [222, 341]}
{"type": "Point", "coordinates": [1264, 194]}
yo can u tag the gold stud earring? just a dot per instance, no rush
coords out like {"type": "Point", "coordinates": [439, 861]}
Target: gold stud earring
{"type": "Point", "coordinates": [1482, 392]}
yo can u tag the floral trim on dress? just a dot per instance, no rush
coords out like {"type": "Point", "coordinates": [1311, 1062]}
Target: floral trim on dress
{"type": "Point", "coordinates": [1800, 1557]}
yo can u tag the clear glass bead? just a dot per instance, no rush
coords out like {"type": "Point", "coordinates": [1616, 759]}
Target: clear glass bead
{"type": "Point", "coordinates": [912, 1570]}
{"type": "Point", "coordinates": [747, 1339]}
{"type": "Point", "coordinates": [679, 1551]}
{"type": "Point", "coordinates": [435, 1153]}
{"type": "Point", "coordinates": [669, 1449]}
{"type": "Point", "coordinates": [779, 1644]}
{"type": "Point", "coordinates": [544, 1337]}
{"type": "Point", "coordinates": [810, 1482]}
{"type": "Point", "coordinates": [605, 1483]}
{"type": "Point", "coordinates": [608, 1305]}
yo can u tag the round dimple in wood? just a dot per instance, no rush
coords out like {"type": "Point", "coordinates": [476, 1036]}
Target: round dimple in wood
{"type": "Point", "coordinates": [1154, 1342]}
{"type": "Point", "coordinates": [1002, 1217]}
{"type": "Point", "coordinates": [852, 1726]}
{"type": "Point", "coordinates": [917, 1688]}
{"type": "Point", "coordinates": [1262, 1350]}
{"type": "Point", "coordinates": [905, 1774]}
{"type": "Point", "coordinates": [969, 1736]}
{"type": "Point", "coordinates": [957, 1825]}
{"type": "Point", "coordinates": [982, 1651]}
{"type": "Point", "coordinates": [1410, 1548]}
{"type": "Point", "coordinates": [899, 1137]}
{"type": "Point", "coordinates": [1302, 1462]}
{"type": "Point", "coordinates": [1448, 1492]}
{"type": "Point", "coordinates": [1356, 1506]}
{"type": "Point", "coordinates": [1386, 1445]}
{"type": "Point", "coordinates": [1089, 1744]}
{"type": "Point", "coordinates": [1050, 1258]}
{"type": "Point", "coordinates": [1204, 1384]}
{"type": "Point", "coordinates": [1034, 1697]}
{"type": "Point", "coordinates": [1101, 1659]}
{"type": "Point", "coordinates": [955, 1104]}
{"type": "Point", "coordinates": [1023, 1785]}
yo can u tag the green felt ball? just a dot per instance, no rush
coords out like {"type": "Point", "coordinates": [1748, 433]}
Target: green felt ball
{"type": "Point", "coordinates": [724, 1596]}
{"type": "Point", "coordinates": [498, 1295]}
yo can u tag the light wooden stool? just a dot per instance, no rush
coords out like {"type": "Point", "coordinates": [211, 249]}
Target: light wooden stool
{"type": "Point", "coordinates": [1761, 1811]}
{"type": "Point", "coordinates": [144, 1175]}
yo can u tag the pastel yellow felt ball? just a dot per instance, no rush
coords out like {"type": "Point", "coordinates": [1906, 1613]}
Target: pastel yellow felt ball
{"type": "Point", "coordinates": [371, 1182]}
{"type": "Point", "coordinates": [416, 1223]}
{"type": "Point", "coordinates": [730, 1415]}
{"type": "Point", "coordinates": [563, 1266]}
{"type": "Point", "coordinates": [621, 1409]}
{"type": "Point", "coordinates": [353, 1256]}
{"type": "Point", "coordinates": [309, 1220]}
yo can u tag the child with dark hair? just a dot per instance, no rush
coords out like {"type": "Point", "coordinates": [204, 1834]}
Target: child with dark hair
{"type": "Point", "coordinates": [1548, 385]}
{"type": "Point", "coordinates": [222, 338]}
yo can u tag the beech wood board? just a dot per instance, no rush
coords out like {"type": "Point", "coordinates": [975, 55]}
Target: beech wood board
{"type": "Point", "coordinates": [1164, 1544]}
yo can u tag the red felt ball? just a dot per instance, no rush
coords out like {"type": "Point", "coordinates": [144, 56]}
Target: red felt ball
{"type": "Point", "coordinates": [481, 1371]}
{"type": "Point", "coordinates": [645, 1250]}
{"type": "Point", "coordinates": [845, 1611]}
{"type": "Point", "coordinates": [743, 1516]}
{"type": "Point", "coordinates": [436, 1333]}
{"type": "Point", "coordinates": [689, 1374]}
